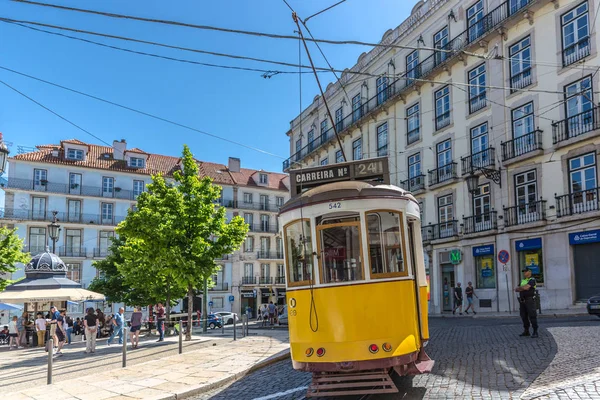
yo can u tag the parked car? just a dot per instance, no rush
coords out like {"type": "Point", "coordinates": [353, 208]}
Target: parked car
{"type": "Point", "coordinates": [593, 305]}
{"type": "Point", "coordinates": [227, 317]}
{"type": "Point", "coordinates": [283, 317]}
{"type": "Point", "coordinates": [214, 321]}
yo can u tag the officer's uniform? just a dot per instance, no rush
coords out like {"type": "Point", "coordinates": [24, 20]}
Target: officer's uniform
{"type": "Point", "coordinates": [527, 306]}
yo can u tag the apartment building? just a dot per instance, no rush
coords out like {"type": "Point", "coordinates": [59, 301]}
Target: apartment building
{"type": "Point", "coordinates": [90, 188]}
{"type": "Point", "coordinates": [489, 116]}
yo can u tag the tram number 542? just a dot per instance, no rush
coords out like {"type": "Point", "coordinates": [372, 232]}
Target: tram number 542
{"type": "Point", "coordinates": [335, 205]}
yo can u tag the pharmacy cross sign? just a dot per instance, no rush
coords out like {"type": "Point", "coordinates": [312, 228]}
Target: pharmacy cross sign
{"type": "Point", "coordinates": [455, 256]}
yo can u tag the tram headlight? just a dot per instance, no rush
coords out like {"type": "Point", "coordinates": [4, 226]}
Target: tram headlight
{"type": "Point", "coordinates": [309, 352]}
{"type": "Point", "coordinates": [373, 348]}
{"type": "Point", "coordinates": [387, 347]}
{"type": "Point", "coordinates": [320, 352]}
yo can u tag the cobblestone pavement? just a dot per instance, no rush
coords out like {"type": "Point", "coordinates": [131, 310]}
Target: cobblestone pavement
{"type": "Point", "coordinates": [475, 359]}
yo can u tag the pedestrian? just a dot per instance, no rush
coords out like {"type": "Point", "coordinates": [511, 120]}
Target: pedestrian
{"type": "Point", "coordinates": [527, 303]}
{"type": "Point", "coordinates": [40, 328]}
{"type": "Point", "coordinates": [22, 323]}
{"type": "Point", "coordinates": [136, 326]}
{"type": "Point", "coordinates": [54, 314]}
{"type": "Point", "coordinates": [118, 321]}
{"type": "Point", "coordinates": [271, 309]}
{"type": "Point", "coordinates": [470, 292]}
{"type": "Point", "coordinates": [61, 333]}
{"type": "Point", "coordinates": [77, 327]}
{"type": "Point", "coordinates": [91, 324]}
{"type": "Point", "coordinates": [160, 322]}
{"type": "Point", "coordinates": [70, 325]}
{"type": "Point", "coordinates": [265, 315]}
{"type": "Point", "coordinates": [13, 333]}
{"type": "Point", "coordinates": [458, 299]}
{"type": "Point", "coordinates": [101, 322]}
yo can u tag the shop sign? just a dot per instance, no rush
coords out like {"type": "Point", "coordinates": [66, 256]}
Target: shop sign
{"type": "Point", "coordinates": [486, 250]}
{"type": "Point", "coordinates": [281, 295]}
{"type": "Point", "coordinates": [231, 298]}
{"type": "Point", "coordinates": [584, 237]}
{"type": "Point", "coordinates": [455, 256]}
{"type": "Point", "coordinates": [248, 294]}
{"type": "Point", "coordinates": [529, 244]}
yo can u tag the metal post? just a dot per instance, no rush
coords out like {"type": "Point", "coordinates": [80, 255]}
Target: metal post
{"type": "Point", "coordinates": [50, 346]}
{"type": "Point", "coordinates": [223, 326]}
{"type": "Point", "coordinates": [507, 290]}
{"type": "Point", "coordinates": [124, 347]}
{"type": "Point", "coordinates": [180, 336]}
{"type": "Point", "coordinates": [234, 329]}
{"type": "Point", "coordinates": [247, 322]}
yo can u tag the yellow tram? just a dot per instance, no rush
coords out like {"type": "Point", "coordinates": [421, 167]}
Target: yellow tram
{"type": "Point", "coordinates": [356, 284]}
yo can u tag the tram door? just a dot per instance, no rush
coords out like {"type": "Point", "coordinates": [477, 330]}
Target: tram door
{"type": "Point", "coordinates": [448, 286]}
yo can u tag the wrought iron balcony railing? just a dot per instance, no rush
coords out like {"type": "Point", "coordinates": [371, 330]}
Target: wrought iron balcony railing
{"type": "Point", "coordinates": [525, 213]}
{"type": "Point", "coordinates": [576, 125]}
{"type": "Point", "coordinates": [64, 217]}
{"type": "Point", "coordinates": [35, 249]}
{"type": "Point", "coordinates": [229, 203]}
{"type": "Point", "coordinates": [444, 230]}
{"type": "Point", "coordinates": [264, 227]}
{"type": "Point", "coordinates": [442, 120]}
{"type": "Point", "coordinates": [442, 174]}
{"type": "Point", "coordinates": [220, 287]}
{"type": "Point", "coordinates": [248, 280]}
{"type": "Point", "coordinates": [520, 80]}
{"type": "Point", "coordinates": [266, 280]}
{"type": "Point", "coordinates": [269, 255]}
{"type": "Point", "coordinates": [482, 159]}
{"type": "Point", "coordinates": [478, 102]}
{"type": "Point", "coordinates": [577, 202]}
{"type": "Point", "coordinates": [72, 189]}
{"type": "Point", "coordinates": [413, 136]}
{"type": "Point", "coordinates": [481, 222]}
{"type": "Point", "coordinates": [577, 51]}
{"type": "Point", "coordinates": [101, 252]}
{"type": "Point", "coordinates": [280, 280]}
{"type": "Point", "coordinates": [522, 145]}
{"type": "Point", "coordinates": [68, 251]}
{"type": "Point", "coordinates": [414, 184]}
{"type": "Point", "coordinates": [427, 233]}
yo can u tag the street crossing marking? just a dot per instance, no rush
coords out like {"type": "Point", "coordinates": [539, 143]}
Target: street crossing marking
{"type": "Point", "coordinates": [280, 394]}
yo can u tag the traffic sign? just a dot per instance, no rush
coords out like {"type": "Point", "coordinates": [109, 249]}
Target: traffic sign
{"type": "Point", "coordinates": [210, 303]}
{"type": "Point", "coordinates": [455, 256]}
{"type": "Point", "coordinates": [231, 298]}
{"type": "Point", "coordinates": [503, 256]}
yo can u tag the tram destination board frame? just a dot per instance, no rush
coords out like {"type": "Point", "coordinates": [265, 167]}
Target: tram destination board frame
{"type": "Point", "coordinates": [374, 170]}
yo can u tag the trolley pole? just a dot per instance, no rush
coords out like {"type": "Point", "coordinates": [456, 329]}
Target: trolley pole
{"type": "Point", "coordinates": [50, 345]}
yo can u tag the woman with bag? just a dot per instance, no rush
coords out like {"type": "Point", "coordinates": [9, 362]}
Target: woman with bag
{"type": "Point", "coordinates": [90, 321]}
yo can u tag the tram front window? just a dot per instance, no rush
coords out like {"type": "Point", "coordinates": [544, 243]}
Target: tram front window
{"type": "Point", "coordinates": [386, 253]}
{"type": "Point", "coordinates": [340, 253]}
{"type": "Point", "coordinates": [299, 252]}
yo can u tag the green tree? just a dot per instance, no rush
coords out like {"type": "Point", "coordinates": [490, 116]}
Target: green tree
{"type": "Point", "coordinates": [180, 226]}
{"type": "Point", "coordinates": [11, 253]}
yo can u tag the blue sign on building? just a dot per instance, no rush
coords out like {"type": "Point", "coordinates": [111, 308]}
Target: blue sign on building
{"type": "Point", "coordinates": [584, 237]}
{"type": "Point", "coordinates": [210, 303]}
{"type": "Point", "coordinates": [487, 250]}
{"type": "Point", "coordinates": [231, 298]}
{"type": "Point", "coordinates": [529, 244]}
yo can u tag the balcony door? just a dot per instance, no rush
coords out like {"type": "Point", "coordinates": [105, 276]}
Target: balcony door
{"type": "Point", "coordinates": [481, 208]}
{"type": "Point", "coordinates": [526, 195]}
{"type": "Point", "coordinates": [479, 145]}
{"type": "Point", "coordinates": [264, 202]}
{"type": "Point", "coordinates": [579, 106]}
{"type": "Point", "coordinates": [264, 223]}
{"type": "Point", "coordinates": [105, 242]}
{"type": "Point", "coordinates": [75, 183]}
{"type": "Point", "coordinates": [265, 245]}
{"type": "Point", "coordinates": [475, 21]}
{"type": "Point", "coordinates": [73, 243]}
{"type": "Point", "coordinates": [74, 210]}
{"type": "Point", "coordinates": [583, 183]}
{"type": "Point", "coordinates": [40, 180]}
{"type": "Point", "coordinates": [38, 208]}
{"type": "Point", "coordinates": [446, 216]}
{"type": "Point", "coordinates": [444, 160]}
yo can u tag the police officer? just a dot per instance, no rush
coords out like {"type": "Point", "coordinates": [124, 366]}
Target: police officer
{"type": "Point", "coordinates": [527, 303]}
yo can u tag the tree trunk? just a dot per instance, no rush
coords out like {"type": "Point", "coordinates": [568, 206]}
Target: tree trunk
{"type": "Point", "coordinates": [188, 332]}
{"type": "Point", "coordinates": [204, 304]}
{"type": "Point", "coordinates": [168, 300]}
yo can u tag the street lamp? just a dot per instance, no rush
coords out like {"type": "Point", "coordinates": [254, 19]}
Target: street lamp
{"type": "Point", "coordinates": [54, 231]}
{"type": "Point", "coordinates": [3, 155]}
{"type": "Point", "coordinates": [472, 182]}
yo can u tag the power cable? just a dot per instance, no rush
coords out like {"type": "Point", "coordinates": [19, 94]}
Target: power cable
{"type": "Point", "coordinates": [321, 12]}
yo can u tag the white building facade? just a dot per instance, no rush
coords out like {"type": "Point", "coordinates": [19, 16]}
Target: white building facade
{"type": "Point", "coordinates": [90, 189]}
{"type": "Point", "coordinates": [509, 96]}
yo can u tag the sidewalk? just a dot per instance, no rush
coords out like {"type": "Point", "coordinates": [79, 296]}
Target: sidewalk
{"type": "Point", "coordinates": [218, 361]}
{"type": "Point", "coordinates": [567, 312]}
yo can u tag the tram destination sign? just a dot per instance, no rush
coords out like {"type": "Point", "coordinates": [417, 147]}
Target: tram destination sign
{"type": "Point", "coordinates": [375, 169]}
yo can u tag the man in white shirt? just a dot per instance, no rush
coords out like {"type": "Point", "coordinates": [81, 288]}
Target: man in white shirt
{"type": "Point", "coordinates": [40, 328]}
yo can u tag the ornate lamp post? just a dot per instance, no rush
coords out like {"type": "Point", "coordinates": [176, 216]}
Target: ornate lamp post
{"type": "Point", "coordinates": [3, 155]}
{"type": "Point", "coordinates": [54, 231]}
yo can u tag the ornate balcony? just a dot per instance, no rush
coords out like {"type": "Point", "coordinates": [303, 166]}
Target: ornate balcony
{"type": "Point", "coordinates": [248, 280]}
{"type": "Point", "coordinates": [577, 202]}
{"type": "Point", "coordinates": [576, 51]}
{"type": "Point", "coordinates": [525, 213]}
{"type": "Point", "coordinates": [482, 159]}
{"type": "Point", "coordinates": [442, 174]}
{"type": "Point", "coordinates": [266, 280]}
{"type": "Point", "coordinates": [72, 251]}
{"type": "Point", "coordinates": [220, 287]}
{"type": "Point", "coordinates": [414, 184]}
{"type": "Point", "coordinates": [481, 222]}
{"type": "Point", "coordinates": [522, 145]}
{"type": "Point", "coordinates": [63, 217]}
{"type": "Point", "coordinates": [444, 230]}
{"type": "Point", "coordinates": [576, 125]}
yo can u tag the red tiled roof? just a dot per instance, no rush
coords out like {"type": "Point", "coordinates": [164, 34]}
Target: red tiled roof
{"type": "Point", "coordinates": [155, 164]}
{"type": "Point", "coordinates": [136, 150]}
{"type": "Point", "coordinates": [75, 141]}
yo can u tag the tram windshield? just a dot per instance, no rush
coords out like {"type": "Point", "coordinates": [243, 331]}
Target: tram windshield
{"type": "Point", "coordinates": [385, 243]}
{"type": "Point", "coordinates": [299, 252]}
{"type": "Point", "coordinates": [339, 242]}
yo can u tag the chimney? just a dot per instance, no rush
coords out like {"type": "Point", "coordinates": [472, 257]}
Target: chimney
{"type": "Point", "coordinates": [119, 148]}
{"type": "Point", "coordinates": [234, 164]}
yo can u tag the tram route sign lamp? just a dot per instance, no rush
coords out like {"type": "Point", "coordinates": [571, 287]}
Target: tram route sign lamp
{"type": "Point", "coordinates": [3, 155]}
{"type": "Point", "coordinates": [54, 231]}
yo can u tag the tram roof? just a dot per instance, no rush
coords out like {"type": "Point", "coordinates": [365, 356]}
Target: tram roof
{"type": "Point", "coordinates": [348, 190]}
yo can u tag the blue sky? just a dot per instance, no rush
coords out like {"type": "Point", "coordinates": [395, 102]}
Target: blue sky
{"type": "Point", "coordinates": [238, 105]}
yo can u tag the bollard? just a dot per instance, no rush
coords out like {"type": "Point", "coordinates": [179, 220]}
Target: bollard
{"type": "Point", "coordinates": [244, 323]}
{"type": "Point", "coordinates": [223, 326]}
{"type": "Point", "coordinates": [50, 345]}
{"type": "Point", "coordinates": [247, 325]}
{"type": "Point", "coordinates": [234, 329]}
{"type": "Point", "coordinates": [180, 337]}
{"type": "Point", "coordinates": [124, 347]}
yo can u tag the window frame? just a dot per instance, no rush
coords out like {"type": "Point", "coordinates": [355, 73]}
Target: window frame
{"type": "Point", "coordinates": [573, 21]}
{"type": "Point", "coordinates": [37, 235]}
{"type": "Point", "coordinates": [321, 269]}
{"type": "Point", "coordinates": [514, 120]}
{"type": "Point", "coordinates": [478, 92]}
{"type": "Point", "coordinates": [339, 119]}
{"type": "Point", "coordinates": [582, 170]}
{"type": "Point", "coordinates": [414, 163]}
{"type": "Point", "coordinates": [412, 64]}
{"type": "Point", "coordinates": [264, 181]}
{"type": "Point", "coordinates": [287, 260]}
{"type": "Point", "coordinates": [522, 61]}
{"type": "Point", "coordinates": [137, 162]}
{"type": "Point", "coordinates": [72, 154]}
{"type": "Point", "coordinates": [324, 161]}
{"type": "Point", "coordinates": [381, 85]}
{"type": "Point", "coordinates": [357, 147]}
{"type": "Point", "coordinates": [136, 192]}
{"type": "Point", "coordinates": [356, 107]}
{"type": "Point", "coordinates": [443, 102]}
{"type": "Point", "coordinates": [438, 43]}
{"type": "Point", "coordinates": [379, 132]}
{"type": "Point", "coordinates": [407, 263]}
{"type": "Point", "coordinates": [339, 157]}
{"type": "Point", "coordinates": [324, 128]}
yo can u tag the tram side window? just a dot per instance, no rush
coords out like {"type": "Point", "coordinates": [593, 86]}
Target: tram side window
{"type": "Point", "coordinates": [340, 253]}
{"type": "Point", "coordinates": [299, 252]}
{"type": "Point", "coordinates": [386, 254]}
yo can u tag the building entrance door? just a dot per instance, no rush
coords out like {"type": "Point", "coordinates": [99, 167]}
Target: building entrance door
{"type": "Point", "coordinates": [447, 286]}
{"type": "Point", "coordinates": [587, 270]}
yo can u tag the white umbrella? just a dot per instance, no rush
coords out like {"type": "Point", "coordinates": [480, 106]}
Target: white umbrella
{"type": "Point", "coordinates": [10, 307]}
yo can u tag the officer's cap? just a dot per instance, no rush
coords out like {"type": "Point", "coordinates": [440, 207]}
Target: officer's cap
{"type": "Point", "coordinates": [525, 269]}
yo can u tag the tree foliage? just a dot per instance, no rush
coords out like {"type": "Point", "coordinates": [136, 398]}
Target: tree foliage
{"type": "Point", "coordinates": [179, 229]}
{"type": "Point", "coordinates": [11, 253]}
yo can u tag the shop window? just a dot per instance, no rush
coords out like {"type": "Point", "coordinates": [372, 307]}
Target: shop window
{"type": "Point", "coordinates": [386, 253]}
{"type": "Point", "coordinates": [530, 255]}
{"type": "Point", "coordinates": [299, 252]}
{"type": "Point", "coordinates": [485, 267]}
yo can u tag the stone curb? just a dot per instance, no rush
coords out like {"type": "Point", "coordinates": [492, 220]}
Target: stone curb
{"type": "Point", "coordinates": [513, 315]}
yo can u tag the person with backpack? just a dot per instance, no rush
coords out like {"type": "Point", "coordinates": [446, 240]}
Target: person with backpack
{"type": "Point", "coordinates": [470, 292]}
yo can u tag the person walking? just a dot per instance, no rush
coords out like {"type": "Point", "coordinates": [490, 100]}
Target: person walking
{"type": "Point", "coordinates": [118, 321]}
{"type": "Point", "coordinates": [470, 292]}
{"type": "Point", "coordinates": [40, 328]}
{"type": "Point", "coordinates": [22, 323]}
{"type": "Point", "coordinates": [136, 326]}
{"type": "Point", "coordinates": [91, 324]}
{"type": "Point", "coordinates": [69, 327]}
{"type": "Point", "coordinates": [13, 333]}
{"type": "Point", "coordinates": [160, 322]}
{"type": "Point", "coordinates": [101, 320]}
{"type": "Point", "coordinates": [265, 315]}
{"type": "Point", "coordinates": [458, 299]}
{"type": "Point", "coordinates": [271, 309]}
{"type": "Point", "coordinates": [61, 332]}
{"type": "Point", "coordinates": [527, 308]}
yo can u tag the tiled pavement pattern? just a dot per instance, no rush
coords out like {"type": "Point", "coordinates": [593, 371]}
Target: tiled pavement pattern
{"type": "Point", "coordinates": [475, 359]}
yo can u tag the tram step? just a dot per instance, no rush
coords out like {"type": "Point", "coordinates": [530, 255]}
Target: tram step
{"type": "Point", "coordinates": [344, 384]}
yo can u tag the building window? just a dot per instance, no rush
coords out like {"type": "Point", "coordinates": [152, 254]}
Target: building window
{"type": "Point", "coordinates": [72, 243]}
{"type": "Point", "coordinates": [324, 124]}
{"type": "Point", "coordinates": [357, 149]}
{"type": "Point", "coordinates": [356, 107]}
{"type": "Point", "coordinates": [280, 271]}
{"type": "Point", "coordinates": [298, 242]}
{"type": "Point", "coordinates": [249, 244]}
{"type": "Point", "coordinates": [440, 41]}
{"type": "Point", "coordinates": [525, 197]}
{"type": "Point", "coordinates": [412, 66]}
{"type": "Point", "coordinates": [40, 177]}
{"type": "Point", "coordinates": [530, 255]}
{"type": "Point", "coordinates": [384, 236]}
{"type": "Point", "coordinates": [442, 107]}
{"type": "Point", "coordinates": [248, 270]}
{"type": "Point", "coordinates": [446, 216]}
{"type": "Point", "coordinates": [37, 240]}
{"type": "Point", "coordinates": [522, 122]}
{"type": "Point", "coordinates": [339, 157]}
{"type": "Point", "coordinates": [582, 177]}
{"type": "Point", "coordinates": [477, 92]}
{"type": "Point", "coordinates": [279, 247]}
{"type": "Point", "coordinates": [74, 183]}
{"type": "Point", "coordinates": [382, 140]}
{"type": "Point", "coordinates": [265, 245]}
{"type": "Point", "coordinates": [475, 21]}
{"type": "Point", "coordinates": [382, 89]}
{"type": "Point", "coordinates": [579, 104]}
{"type": "Point", "coordinates": [74, 272]}
{"type": "Point", "coordinates": [486, 274]}
{"type": "Point", "coordinates": [339, 119]}
{"type": "Point", "coordinates": [279, 201]}
{"type": "Point", "coordinates": [137, 162]}
{"type": "Point", "coordinates": [520, 64]}
{"type": "Point", "coordinates": [138, 188]}
{"type": "Point", "coordinates": [298, 149]}
{"type": "Point", "coordinates": [575, 34]}
{"type": "Point", "coordinates": [38, 208]}
{"type": "Point", "coordinates": [311, 140]}
{"type": "Point", "coordinates": [414, 166]}
{"type": "Point", "coordinates": [264, 178]}
{"type": "Point", "coordinates": [444, 153]}
{"type": "Point", "coordinates": [74, 154]}
{"type": "Point", "coordinates": [479, 145]}
{"type": "Point", "coordinates": [516, 5]}
{"type": "Point", "coordinates": [107, 213]}
{"type": "Point", "coordinates": [264, 202]}
{"type": "Point", "coordinates": [105, 240]}
{"type": "Point", "coordinates": [247, 198]}
{"type": "Point", "coordinates": [74, 210]}
{"type": "Point", "coordinates": [249, 219]}
{"type": "Point", "coordinates": [325, 161]}
{"type": "Point", "coordinates": [108, 186]}
{"type": "Point", "coordinates": [481, 207]}
{"type": "Point", "coordinates": [265, 271]}
{"type": "Point", "coordinates": [217, 302]}
{"type": "Point", "coordinates": [413, 124]}
{"type": "Point", "coordinates": [264, 222]}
